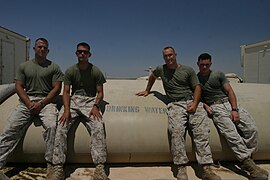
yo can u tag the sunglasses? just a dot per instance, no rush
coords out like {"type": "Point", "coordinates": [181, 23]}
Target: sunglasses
{"type": "Point", "coordinates": [82, 51]}
{"type": "Point", "coordinates": [40, 47]}
{"type": "Point", "coordinates": [206, 65]}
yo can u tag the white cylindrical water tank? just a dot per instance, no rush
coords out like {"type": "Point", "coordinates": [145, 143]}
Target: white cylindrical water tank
{"type": "Point", "coordinates": [136, 127]}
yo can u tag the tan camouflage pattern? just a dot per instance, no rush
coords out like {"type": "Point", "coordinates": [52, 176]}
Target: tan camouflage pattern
{"type": "Point", "coordinates": [99, 173]}
{"type": "Point", "coordinates": [242, 137]}
{"type": "Point", "coordinates": [81, 106]}
{"type": "Point", "coordinates": [198, 125]}
{"type": "Point", "coordinates": [18, 123]}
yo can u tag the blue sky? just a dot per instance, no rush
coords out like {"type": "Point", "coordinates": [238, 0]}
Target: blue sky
{"type": "Point", "coordinates": [127, 37]}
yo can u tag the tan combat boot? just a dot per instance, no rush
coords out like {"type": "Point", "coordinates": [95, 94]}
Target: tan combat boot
{"type": "Point", "coordinates": [99, 173]}
{"type": "Point", "coordinates": [3, 176]}
{"type": "Point", "coordinates": [255, 172]}
{"type": "Point", "coordinates": [208, 174]}
{"type": "Point", "coordinates": [49, 171]}
{"type": "Point", "coordinates": [59, 173]}
{"type": "Point", "coordinates": [182, 173]}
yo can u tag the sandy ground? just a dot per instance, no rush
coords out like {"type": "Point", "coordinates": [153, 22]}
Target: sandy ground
{"type": "Point", "coordinates": [227, 171]}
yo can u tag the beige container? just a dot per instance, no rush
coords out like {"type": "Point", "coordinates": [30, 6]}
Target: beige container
{"type": "Point", "coordinates": [136, 127]}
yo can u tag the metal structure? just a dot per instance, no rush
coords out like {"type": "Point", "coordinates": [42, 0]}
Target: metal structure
{"type": "Point", "coordinates": [136, 127]}
{"type": "Point", "coordinates": [14, 49]}
{"type": "Point", "coordinates": [255, 59]}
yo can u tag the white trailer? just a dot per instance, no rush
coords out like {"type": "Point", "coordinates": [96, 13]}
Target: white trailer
{"type": "Point", "coordinates": [14, 49]}
{"type": "Point", "coordinates": [255, 60]}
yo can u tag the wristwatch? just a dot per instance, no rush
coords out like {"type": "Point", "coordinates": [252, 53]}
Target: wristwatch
{"type": "Point", "coordinates": [235, 109]}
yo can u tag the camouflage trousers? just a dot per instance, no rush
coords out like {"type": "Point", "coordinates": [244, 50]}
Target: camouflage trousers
{"type": "Point", "coordinates": [19, 121]}
{"type": "Point", "coordinates": [199, 127]}
{"type": "Point", "coordinates": [80, 106]}
{"type": "Point", "coordinates": [242, 137]}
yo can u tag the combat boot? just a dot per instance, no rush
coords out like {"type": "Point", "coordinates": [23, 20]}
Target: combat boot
{"type": "Point", "coordinates": [3, 176]}
{"type": "Point", "coordinates": [49, 171]}
{"type": "Point", "coordinates": [255, 172]}
{"type": "Point", "coordinates": [208, 174]}
{"type": "Point", "coordinates": [99, 173]}
{"type": "Point", "coordinates": [263, 171]}
{"type": "Point", "coordinates": [59, 173]}
{"type": "Point", "coordinates": [182, 173]}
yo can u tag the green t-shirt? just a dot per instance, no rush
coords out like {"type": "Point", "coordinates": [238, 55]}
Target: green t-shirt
{"type": "Point", "coordinates": [178, 83]}
{"type": "Point", "coordinates": [38, 79]}
{"type": "Point", "coordinates": [84, 81]}
{"type": "Point", "coordinates": [212, 86]}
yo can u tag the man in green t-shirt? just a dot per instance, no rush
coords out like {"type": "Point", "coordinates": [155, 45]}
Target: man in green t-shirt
{"type": "Point", "coordinates": [86, 81]}
{"type": "Point", "coordinates": [233, 122]}
{"type": "Point", "coordinates": [184, 111]}
{"type": "Point", "coordinates": [37, 84]}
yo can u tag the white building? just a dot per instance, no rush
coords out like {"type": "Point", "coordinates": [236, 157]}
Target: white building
{"type": "Point", "coordinates": [14, 49]}
{"type": "Point", "coordinates": [255, 59]}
